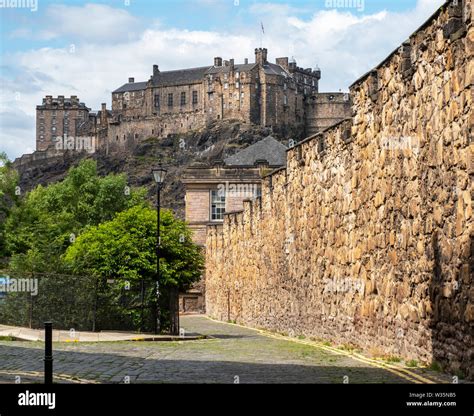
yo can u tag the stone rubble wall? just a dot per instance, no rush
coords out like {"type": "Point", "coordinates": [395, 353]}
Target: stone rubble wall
{"type": "Point", "coordinates": [367, 238]}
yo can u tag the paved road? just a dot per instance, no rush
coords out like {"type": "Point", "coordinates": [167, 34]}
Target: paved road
{"type": "Point", "coordinates": [232, 354]}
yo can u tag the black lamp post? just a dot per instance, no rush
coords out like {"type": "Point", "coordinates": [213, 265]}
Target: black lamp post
{"type": "Point", "coordinates": [159, 174]}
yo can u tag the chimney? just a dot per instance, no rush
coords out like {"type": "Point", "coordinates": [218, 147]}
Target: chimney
{"type": "Point", "coordinates": [317, 73]}
{"type": "Point", "coordinates": [217, 61]}
{"type": "Point", "coordinates": [131, 80]}
{"type": "Point", "coordinates": [104, 107]}
{"type": "Point", "coordinates": [261, 56]}
{"type": "Point", "coordinates": [262, 165]}
{"type": "Point", "coordinates": [226, 63]}
{"type": "Point", "coordinates": [156, 70]}
{"type": "Point", "coordinates": [232, 63]}
{"type": "Point", "coordinates": [292, 65]}
{"type": "Point", "coordinates": [246, 61]}
{"type": "Point", "coordinates": [283, 62]}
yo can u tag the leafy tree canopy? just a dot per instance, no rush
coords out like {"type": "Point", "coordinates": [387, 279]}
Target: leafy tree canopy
{"type": "Point", "coordinates": [125, 249]}
{"type": "Point", "coordinates": [48, 219]}
{"type": "Point", "coordinates": [8, 196]}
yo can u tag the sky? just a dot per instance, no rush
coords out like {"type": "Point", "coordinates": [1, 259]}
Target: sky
{"type": "Point", "coordinates": [90, 48]}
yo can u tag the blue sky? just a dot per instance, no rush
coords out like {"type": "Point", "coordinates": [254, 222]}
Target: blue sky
{"type": "Point", "coordinates": [90, 48]}
{"type": "Point", "coordinates": [182, 14]}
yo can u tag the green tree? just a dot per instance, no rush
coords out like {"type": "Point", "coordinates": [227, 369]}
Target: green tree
{"type": "Point", "coordinates": [124, 249]}
{"type": "Point", "coordinates": [48, 219]}
{"type": "Point", "coordinates": [8, 197]}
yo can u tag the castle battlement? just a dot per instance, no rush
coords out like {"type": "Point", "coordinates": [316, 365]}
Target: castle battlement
{"type": "Point", "coordinates": [279, 95]}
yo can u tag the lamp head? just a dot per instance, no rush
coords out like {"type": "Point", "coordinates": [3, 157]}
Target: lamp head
{"type": "Point", "coordinates": [159, 174]}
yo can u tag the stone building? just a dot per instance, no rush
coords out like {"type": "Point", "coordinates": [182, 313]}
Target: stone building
{"type": "Point", "coordinates": [280, 95]}
{"type": "Point", "coordinates": [57, 117]}
{"type": "Point", "coordinates": [263, 93]}
{"type": "Point", "coordinates": [212, 191]}
{"type": "Point", "coordinates": [68, 124]}
{"type": "Point", "coordinates": [326, 109]}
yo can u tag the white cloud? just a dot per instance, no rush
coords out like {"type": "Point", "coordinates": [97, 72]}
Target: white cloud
{"type": "Point", "coordinates": [343, 44]}
{"type": "Point", "coordinates": [92, 22]}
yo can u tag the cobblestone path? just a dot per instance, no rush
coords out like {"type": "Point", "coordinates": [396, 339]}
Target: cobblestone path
{"type": "Point", "coordinates": [230, 354]}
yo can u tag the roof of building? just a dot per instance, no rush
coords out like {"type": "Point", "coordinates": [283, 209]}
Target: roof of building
{"type": "Point", "coordinates": [237, 68]}
{"type": "Point", "coordinates": [191, 75]}
{"type": "Point", "coordinates": [274, 69]}
{"type": "Point", "coordinates": [67, 102]}
{"type": "Point", "coordinates": [267, 149]}
{"type": "Point", "coordinates": [180, 76]}
{"type": "Point", "coordinates": [131, 86]}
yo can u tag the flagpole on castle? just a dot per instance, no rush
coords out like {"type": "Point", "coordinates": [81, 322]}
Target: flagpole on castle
{"type": "Point", "coordinates": [262, 34]}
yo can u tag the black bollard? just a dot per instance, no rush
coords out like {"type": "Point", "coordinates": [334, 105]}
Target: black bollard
{"type": "Point", "coordinates": [48, 353]}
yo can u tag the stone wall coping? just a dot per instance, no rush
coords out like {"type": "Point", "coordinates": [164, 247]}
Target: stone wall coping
{"type": "Point", "coordinates": [274, 172]}
{"type": "Point", "coordinates": [319, 134]}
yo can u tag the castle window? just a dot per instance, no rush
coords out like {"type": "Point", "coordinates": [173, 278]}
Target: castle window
{"type": "Point", "coordinates": [157, 100]}
{"type": "Point", "coordinates": [242, 95]}
{"type": "Point", "coordinates": [237, 75]}
{"type": "Point", "coordinates": [195, 97]}
{"type": "Point", "coordinates": [217, 205]}
{"type": "Point", "coordinates": [237, 84]}
{"type": "Point", "coordinates": [226, 85]}
{"type": "Point", "coordinates": [41, 137]}
{"type": "Point", "coordinates": [183, 98]}
{"type": "Point", "coordinates": [285, 100]}
{"type": "Point", "coordinates": [225, 76]}
{"type": "Point", "coordinates": [170, 100]}
{"type": "Point", "coordinates": [285, 86]}
{"type": "Point", "coordinates": [53, 121]}
{"type": "Point", "coordinates": [53, 129]}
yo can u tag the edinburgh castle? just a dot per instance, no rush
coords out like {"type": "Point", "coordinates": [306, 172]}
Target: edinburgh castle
{"type": "Point", "coordinates": [278, 95]}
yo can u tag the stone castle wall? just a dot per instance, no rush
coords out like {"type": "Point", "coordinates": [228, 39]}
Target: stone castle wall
{"type": "Point", "coordinates": [367, 236]}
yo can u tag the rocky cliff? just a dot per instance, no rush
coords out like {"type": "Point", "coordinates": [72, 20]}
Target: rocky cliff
{"type": "Point", "coordinates": [176, 152]}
